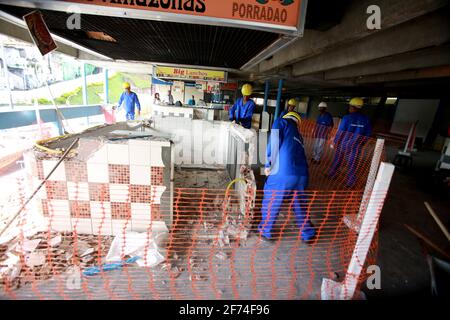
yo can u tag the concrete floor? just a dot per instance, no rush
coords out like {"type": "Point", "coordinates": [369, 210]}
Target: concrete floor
{"type": "Point", "coordinates": [404, 271]}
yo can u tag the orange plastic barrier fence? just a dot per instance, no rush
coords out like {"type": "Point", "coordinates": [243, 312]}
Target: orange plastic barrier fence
{"type": "Point", "coordinates": [212, 248]}
{"type": "Point", "coordinates": [212, 251]}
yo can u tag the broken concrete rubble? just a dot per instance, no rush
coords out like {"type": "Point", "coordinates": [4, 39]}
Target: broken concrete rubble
{"type": "Point", "coordinates": [56, 241]}
{"type": "Point", "coordinates": [222, 224]}
{"type": "Point", "coordinates": [48, 257]}
{"type": "Point", "coordinates": [35, 259]}
{"type": "Point", "coordinates": [221, 255]}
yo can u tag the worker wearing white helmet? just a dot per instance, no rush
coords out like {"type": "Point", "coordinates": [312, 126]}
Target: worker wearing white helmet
{"type": "Point", "coordinates": [324, 123]}
{"type": "Point", "coordinates": [242, 110]}
{"type": "Point", "coordinates": [351, 136]}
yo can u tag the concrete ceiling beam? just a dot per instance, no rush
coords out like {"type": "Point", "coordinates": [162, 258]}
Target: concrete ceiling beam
{"type": "Point", "coordinates": [430, 30]}
{"type": "Point", "coordinates": [352, 28]}
{"type": "Point", "coordinates": [424, 58]}
{"type": "Point", "coordinates": [425, 73]}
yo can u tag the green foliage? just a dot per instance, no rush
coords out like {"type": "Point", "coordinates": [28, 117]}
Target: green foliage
{"type": "Point", "coordinates": [95, 90]}
{"type": "Point", "coordinates": [43, 101]}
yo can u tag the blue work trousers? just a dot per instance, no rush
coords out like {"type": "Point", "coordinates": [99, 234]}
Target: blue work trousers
{"type": "Point", "coordinates": [291, 188]}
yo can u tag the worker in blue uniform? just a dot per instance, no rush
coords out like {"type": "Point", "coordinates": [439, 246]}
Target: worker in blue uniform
{"type": "Point", "coordinates": [242, 110]}
{"type": "Point", "coordinates": [352, 134]}
{"type": "Point", "coordinates": [324, 124]}
{"type": "Point", "coordinates": [287, 171]}
{"type": "Point", "coordinates": [191, 101]}
{"type": "Point", "coordinates": [130, 102]}
{"type": "Point", "coordinates": [292, 104]}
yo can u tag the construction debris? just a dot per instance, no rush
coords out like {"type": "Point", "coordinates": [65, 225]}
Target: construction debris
{"type": "Point", "coordinates": [56, 241]}
{"type": "Point", "coordinates": [138, 244]}
{"type": "Point", "coordinates": [221, 255]}
{"type": "Point", "coordinates": [38, 258]}
{"type": "Point", "coordinates": [438, 221]}
{"type": "Point", "coordinates": [35, 259]}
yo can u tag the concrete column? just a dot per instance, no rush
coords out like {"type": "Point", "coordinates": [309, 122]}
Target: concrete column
{"type": "Point", "coordinates": [266, 95]}
{"type": "Point", "coordinates": [106, 86]}
{"type": "Point", "coordinates": [5, 68]}
{"type": "Point", "coordinates": [84, 84]}
{"type": "Point", "coordinates": [280, 89]}
{"type": "Point", "coordinates": [59, 123]}
{"type": "Point", "coordinates": [38, 117]}
{"type": "Point", "coordinates": [308, 108]}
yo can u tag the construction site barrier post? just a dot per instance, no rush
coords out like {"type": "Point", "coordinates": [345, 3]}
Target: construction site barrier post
{"type": "Point", "coordinates": [332, 290]}
{"type": "Point", "coordinates": [352, 221]}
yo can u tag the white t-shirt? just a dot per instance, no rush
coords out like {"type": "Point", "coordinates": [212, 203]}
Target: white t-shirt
{"type": "Point", "coordinates": [168, 99]}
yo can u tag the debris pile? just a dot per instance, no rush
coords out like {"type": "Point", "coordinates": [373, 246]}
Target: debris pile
{"type": "Point", "coordinates": [44, 255]}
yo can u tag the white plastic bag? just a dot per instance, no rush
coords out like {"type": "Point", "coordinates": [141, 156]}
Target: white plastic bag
{"type": "Point", "coordinates": [138, 244]}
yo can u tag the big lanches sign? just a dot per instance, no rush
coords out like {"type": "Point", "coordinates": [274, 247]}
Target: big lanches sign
{"type": "Point", "coordinates": [284, 16]}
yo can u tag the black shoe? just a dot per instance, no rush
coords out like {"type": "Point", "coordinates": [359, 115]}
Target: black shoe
{"type": "Point", "coordinates": [311, 241]}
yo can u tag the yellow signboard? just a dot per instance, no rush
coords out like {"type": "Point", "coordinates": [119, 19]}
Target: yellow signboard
{"type": "Point", "coordinates": [190, 74]}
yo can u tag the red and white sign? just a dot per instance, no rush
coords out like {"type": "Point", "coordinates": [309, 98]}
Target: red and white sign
{"type": "Point", "coordinates": [39, 32]}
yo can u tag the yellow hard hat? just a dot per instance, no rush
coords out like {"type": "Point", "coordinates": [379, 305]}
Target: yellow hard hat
{"type": "Point", "coordinates": [126, 85]}
{"type": "Point", "coordinates": [294, 115]}
{"type": "Point", "coordinates": [357, 103]}
{"type": "Point", "coordinates": [292, 102]}
{"type": "Point", "coordinates": [247, 89]}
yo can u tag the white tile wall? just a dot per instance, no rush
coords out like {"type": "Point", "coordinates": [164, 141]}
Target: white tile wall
{"type": "Point", "coordinates": [58, 175]}
{"type": "Point", "coordinates": [156, 157]}
{"type": "Point", "coordinates": [156, 193]}
{"type": "Point", "coordinates": [82, 226]}
{"type": "Point", "coordinates": [98, 172]}
{"type": "Point", "coordinates": [139, 143]}
{"type": "Point", "coordinates": [30, 163]}
{"type": "Point", "coordinates": [59, 215]}
{"type": "Point", "coordinates": [140, 155]}
{"type": "Point", "coordinates": [101, 217]}
{"type": "Point", "coordinates": [140, 175]}
{"type": "Point", "coordinates": [42, 193]}
{"type": "Point", "coordinates": [140, 216]}
{"type": "Point", "coordinates": [119, 192]}
{"type": "Point", "coordinates": [100, 156]}
{"type": "Point", "coordinates": [118, 153]}
{"type": "Point", "coordinates": [78, 191]}
{"type": "Point", "coordinates": [197, 136]}
{"type": "Point", "coordinates": [118, 226]}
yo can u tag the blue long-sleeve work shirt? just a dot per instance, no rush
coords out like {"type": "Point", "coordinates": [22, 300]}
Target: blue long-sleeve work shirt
{"type": "Point", "coordinates": [285, 150]}
{"type": "Point", "coordinates": [324, 123]}
{"type": "Point", "coordinates": [130, 102]}
{"type": "Point", "coordinates": [242, 113]}
{"type": "Point", "coordinates": [352, 128]}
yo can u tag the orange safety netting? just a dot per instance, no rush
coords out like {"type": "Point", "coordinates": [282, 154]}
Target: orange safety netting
{"type": "Point", "coordinates": [212, 249]}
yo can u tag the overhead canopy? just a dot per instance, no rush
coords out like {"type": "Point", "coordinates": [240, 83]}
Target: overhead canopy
{"type": "Point", "coordinates": [158, 41]}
